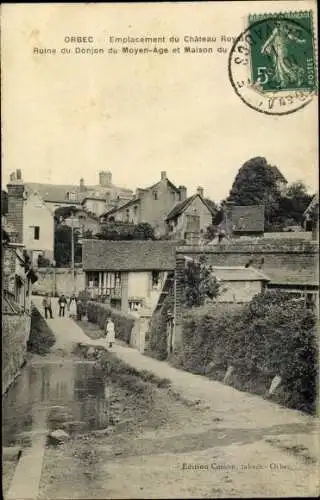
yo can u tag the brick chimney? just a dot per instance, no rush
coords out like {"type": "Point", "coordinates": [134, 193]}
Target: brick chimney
{"type": "Point", "coordinates": [163, 175]}
{"type": "Point", "coordinates": [15, 203]}
{"type": "Point", "coordinates": [105, 178]}
{"type": "Point", "coordinates": [200, 191]}
{"type": "Point", "coordinates": [183, 193]}
{"type": "Point", "coordinates": [82, 186]}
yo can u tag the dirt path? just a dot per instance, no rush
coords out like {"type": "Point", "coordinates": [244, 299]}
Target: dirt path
{"type": "Point", "coordinates": [197, 438]}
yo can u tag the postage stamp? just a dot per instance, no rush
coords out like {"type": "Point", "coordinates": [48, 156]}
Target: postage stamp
{"type": "Point", "coordinates": [272, 64]}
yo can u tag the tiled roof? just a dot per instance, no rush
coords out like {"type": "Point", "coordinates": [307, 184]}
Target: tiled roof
{"type": "Point", "coordinates": [58, 193]}
{"type": "Point", "coordinates": [244, 219]}
{"type": "Point", "coordinates": [125, 205]}
{"type": "Point", "coordinates": [100, 255]}
{"type": "Point", "coordinates": [289, 277]}
{"type": "Point", "coordinates": [237, 273]}
{"type": "Point", "coordinates": [278, 175]}
{"type": "Point", "coordinates": [180, 207]}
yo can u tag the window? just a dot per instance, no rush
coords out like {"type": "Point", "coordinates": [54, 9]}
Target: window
{"type": "Point", "coordinates": [36, 232]}
{"type": "Point", "coordinates": [155, 195]}
{"type": "Point", "coordinates": [72, 196]}
{"type": "Point", "coordinates": [155, 278]}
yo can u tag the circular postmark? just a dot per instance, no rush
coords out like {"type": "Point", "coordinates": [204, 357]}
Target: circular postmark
{"type": "Point", "coordinates": [272, 63]}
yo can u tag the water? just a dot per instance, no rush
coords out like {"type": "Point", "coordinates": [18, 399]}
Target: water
{"type": "Point", "coordinates": [72, 396]}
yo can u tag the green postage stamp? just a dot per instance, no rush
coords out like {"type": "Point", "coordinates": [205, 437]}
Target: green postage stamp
{"type": "Point", "coordinates": [283, 55]}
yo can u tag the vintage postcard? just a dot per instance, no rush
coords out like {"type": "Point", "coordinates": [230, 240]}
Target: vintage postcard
{"type": "Point", "coordinates": [160, 240]}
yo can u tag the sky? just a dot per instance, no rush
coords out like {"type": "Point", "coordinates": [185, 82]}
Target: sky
{"type": "Point", "coordinates": [70, 116]}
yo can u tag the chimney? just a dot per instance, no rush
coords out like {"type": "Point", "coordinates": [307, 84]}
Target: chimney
{"type": "Point", "coordinates": [15, 203]}
{"type": "Point", "coordinates": [183, 193]}
{"type": "Point", "coordinates": [105, 178]}
{"type": "Point", "coordinates": [200, 191]}
{"type": "Point", "coordinates": [82, 186]}
{"type": "Point", "coordinates": [163, 175]}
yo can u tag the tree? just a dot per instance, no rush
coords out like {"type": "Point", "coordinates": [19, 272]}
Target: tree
{"type": "Point", "coordinates": [292, 205]}
{"type": "Point", "coordinates": [62, 246]}
{"type": "Point", "coordinates": [199, 283]}
{"type": "Point", "coordinates": [64, 212]}
{"type": "Point", "coordinates": [4, 202]}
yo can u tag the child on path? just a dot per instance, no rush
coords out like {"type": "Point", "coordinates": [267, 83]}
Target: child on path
{"type": "Point", "coordinates": [110, 333]}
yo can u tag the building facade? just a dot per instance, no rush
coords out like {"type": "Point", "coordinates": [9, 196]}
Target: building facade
{"type": "Point", "coordinates": [190, 218]}
{"type": "Point", "coordinates": [129, 275]}
{"type": "Point", "coordinates": [150, 205]}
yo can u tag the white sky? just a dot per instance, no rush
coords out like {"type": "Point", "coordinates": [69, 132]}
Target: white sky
{"type": "Point", "coordinates": [67, 117]}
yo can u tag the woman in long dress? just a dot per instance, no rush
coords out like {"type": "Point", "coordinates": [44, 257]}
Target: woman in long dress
{"type": "Point", "coordinates": [110, 333]}
{"type": "Point", "coordinates": [73, 307]}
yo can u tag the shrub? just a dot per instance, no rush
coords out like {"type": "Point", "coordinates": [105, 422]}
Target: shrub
{"type": "Point", "coordinates": [41, 337]}
{"type": "Point", "coordinates": [272, 335]}
{"type": "Point", "coordinates": [123, 323]}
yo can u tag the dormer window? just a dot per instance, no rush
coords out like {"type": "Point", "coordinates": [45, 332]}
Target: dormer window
{"type": "Point", "coordinates": [71, 196]}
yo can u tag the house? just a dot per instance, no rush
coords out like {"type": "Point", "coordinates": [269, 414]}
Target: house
{"type": "Point", "coordinates": [239, 284]}
{"type": "Point", "coordinates": [240, 221]}
{"type": "Point", "coordinates": [190, 217]}
{"type": "Point", "coordinates": [93, 199]}
{"type": "Point", "coordinates": [281, 181]}
{"type": "Point", "coordinates": [32, 218]}
{"type": "Point", "coordinates": [129, 274]}
{"type": "Point", "coordinates": [151, 205]}
{"type": "Point", "coordinates": [311, 217]}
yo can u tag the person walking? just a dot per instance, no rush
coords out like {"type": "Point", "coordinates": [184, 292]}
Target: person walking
{"type": "Point", "coordinates": [62, 305]}
{"type": "Point", "coordinates": [80, 309]}
{"type": "Point", "coordinates": [110, 333]}
{"type": "Point", "coordinates": [46, 302]}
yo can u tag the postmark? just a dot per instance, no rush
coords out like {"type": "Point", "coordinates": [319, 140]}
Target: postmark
{"type": "Point", "coordinates": [272, 64]}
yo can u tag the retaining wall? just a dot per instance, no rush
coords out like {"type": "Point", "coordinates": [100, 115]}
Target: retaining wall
{"type": "Point", "coordinates": [58, 281]}
{"type": "Point", "coordinates": [15, 335]}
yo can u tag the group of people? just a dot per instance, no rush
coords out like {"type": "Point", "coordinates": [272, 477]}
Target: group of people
{"type": "Point", "coordinates": [73, 306]}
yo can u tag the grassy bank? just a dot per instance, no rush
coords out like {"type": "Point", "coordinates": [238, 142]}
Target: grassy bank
{"type": "Point", "coordinates": [41, 337]}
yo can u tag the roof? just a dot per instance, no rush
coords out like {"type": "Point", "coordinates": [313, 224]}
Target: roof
{"type": "Point", "coordinates": [58, 192]}
{"type": "Point", "coordinates": [53, 192]}
{"type": "Point", "coordinates": [180, 207]}
{"type": "Point", "coordinates": [238, 273]}
{"type": "Point", "coordinates": [116, 209]}
{"type": "Point", "coordinates": [278, 175]}
{"type": "Point", "coordinates": [305, 277]}
{"type": "Point", "coordinates": [243, 219]}
{"type": "Point", "coordinates": [105, 255]}
{"type": "Point", "coordinates": [312, 205]}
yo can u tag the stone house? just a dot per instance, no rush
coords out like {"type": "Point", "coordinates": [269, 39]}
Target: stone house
{"type": "Point", "coordinates": [128, 274]}
{"type": "Point", "coordinates": [151, 205]}
{"type": "Point", "coordinates": [189, 218]}
{"type": "Point", "coordinates": [31, 217]}
{"type": "Point", "coordinates": [17, 279]}
{"type": "Point", "coordinates": [83, 222]}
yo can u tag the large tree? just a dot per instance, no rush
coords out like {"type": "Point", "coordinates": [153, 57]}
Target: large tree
{"type": "Point", "coordinates": [293, 205]}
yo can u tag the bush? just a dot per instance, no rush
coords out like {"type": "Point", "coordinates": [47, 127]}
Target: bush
{"type": "Point", "coordinates": [123, 323]}
{"type": "Point", "coordinates": [272, 335]}
{"type": "Point", "coordinates": [41, 337]}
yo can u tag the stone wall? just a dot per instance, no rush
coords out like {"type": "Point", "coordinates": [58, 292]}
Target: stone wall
{"type": "Point", "coordinates": [15, 334]}
{"type": "Point", "coordinates": [58, 281]}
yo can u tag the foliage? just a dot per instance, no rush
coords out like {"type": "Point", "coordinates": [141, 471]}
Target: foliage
{"type": "Point", "coordinates": [64, 212]}
{"type": "Point", "coordinates": [292, 205]}
{"type": "Point", "coordinates": [41, 337]}
{"type": "Point", "coordinates": [272, 335]}
{"type": "Point", "coordinates": [199, 283]}
{"type": "Point", "coordinates": [62, 246]}
{"type": "Point", "coordinates": [126, 231]}
{"type": "Point", "coordinates": [158, 330]}
{"type": "Point", "coordinates": [211, 232]}
{"type": "Point", "coordinates": [123, 323]}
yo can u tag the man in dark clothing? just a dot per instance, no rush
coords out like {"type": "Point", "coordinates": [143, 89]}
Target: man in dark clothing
{"type": "Point", "coordinates": [46, 302]}
{"type": "Point", "coordinates": [62, 305]}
